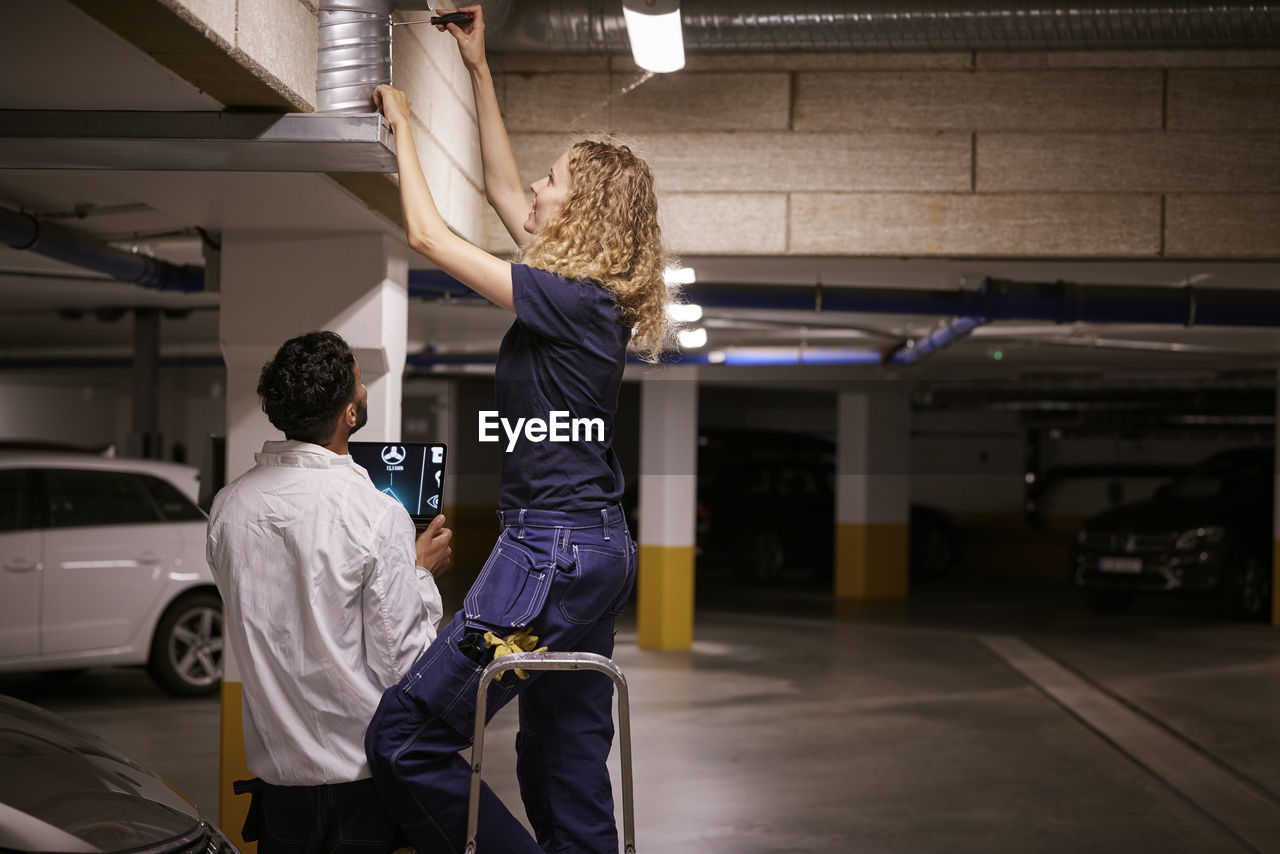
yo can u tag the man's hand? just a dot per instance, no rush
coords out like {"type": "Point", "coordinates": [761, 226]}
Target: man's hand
{"type": "Point", "coordinates": [433, 547]}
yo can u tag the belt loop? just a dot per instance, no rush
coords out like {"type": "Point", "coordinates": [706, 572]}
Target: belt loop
{"type": "Point", "coordinates": [604, 522]}
{"type": "Point", "coordinates": [520, 534]}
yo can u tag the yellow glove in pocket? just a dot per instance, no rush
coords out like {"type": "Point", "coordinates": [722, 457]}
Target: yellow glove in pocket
{"type": "Point", "coordinates": [522, 641]}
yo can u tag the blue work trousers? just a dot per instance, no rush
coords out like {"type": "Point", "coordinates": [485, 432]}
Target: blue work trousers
{"type": "Point", "coordinates": [566, 576]}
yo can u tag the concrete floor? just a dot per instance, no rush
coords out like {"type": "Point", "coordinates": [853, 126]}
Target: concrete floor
{"type": "Point", "coordinates": [981, 718]}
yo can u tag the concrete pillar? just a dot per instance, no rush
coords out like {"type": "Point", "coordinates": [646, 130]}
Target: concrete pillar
{"type": "Point", "coordinates": [273, 288]}
{"type": "Point", "coordinates": [872, 495]}
{"type": "Point", "coordinates": [1275, 524]}
{"type": "Point", "coordinates": [144, 435]}
{"type": "Point", "coordinates": [668, 504]}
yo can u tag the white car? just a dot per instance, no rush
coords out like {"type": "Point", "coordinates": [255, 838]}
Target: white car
{"type": "Point", "coordinates": [102, 561]}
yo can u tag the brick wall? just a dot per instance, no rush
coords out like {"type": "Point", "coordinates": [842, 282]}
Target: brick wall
{"type": "Point", "coordinates": [1139, 155]}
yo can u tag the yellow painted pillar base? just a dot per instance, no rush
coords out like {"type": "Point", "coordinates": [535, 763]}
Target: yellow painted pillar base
{"type": "Point", "coordinates": [233, 808]}
{"type": "Point", "coordinates": [664, 597]}
{"type": "Point", "coordinates": [1275, 584]}
{"type": "Point", "coordinates": [871, 561]}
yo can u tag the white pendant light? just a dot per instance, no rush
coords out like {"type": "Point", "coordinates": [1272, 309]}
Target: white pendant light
{"type": "Point", "coordinates": [657, 41]}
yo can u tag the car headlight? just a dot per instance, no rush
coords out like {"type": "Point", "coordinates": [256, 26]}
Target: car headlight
{"type": "Point", "coordinates": [1198, 538]}
{"type": "Point", "coordinates": [218, 843]}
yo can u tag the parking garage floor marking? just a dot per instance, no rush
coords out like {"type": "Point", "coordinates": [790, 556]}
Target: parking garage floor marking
{"type": "Point", "coordinates": [1241, 808]}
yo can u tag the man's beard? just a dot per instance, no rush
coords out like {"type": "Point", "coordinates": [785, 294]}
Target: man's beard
{"type": "Point", "coordinates": [362, 416]}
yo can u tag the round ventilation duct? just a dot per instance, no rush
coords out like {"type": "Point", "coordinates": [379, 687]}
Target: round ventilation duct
{"type": "Point", "coordinates": [354, 48]}
{"type": "Point", "coordinates": [596, 26]}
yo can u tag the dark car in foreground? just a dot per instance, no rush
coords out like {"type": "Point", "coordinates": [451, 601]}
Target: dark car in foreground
{"type": "Point", "coordinates": [1209, 532]}
{"type": "Point", "coordinates": [65, 790]}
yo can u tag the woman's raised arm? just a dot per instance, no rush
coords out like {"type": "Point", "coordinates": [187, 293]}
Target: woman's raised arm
{"type": "Point", "coordinates": [502, 185]}
{"type": "Point", "coordinates": [425, 228]}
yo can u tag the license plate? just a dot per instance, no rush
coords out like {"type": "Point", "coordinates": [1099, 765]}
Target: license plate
{"type": "Point", "coordinates": [1120, 564]}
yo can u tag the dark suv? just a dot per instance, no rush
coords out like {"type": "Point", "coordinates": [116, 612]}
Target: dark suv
{"type": "Point", "coordinates": [1207, 532]}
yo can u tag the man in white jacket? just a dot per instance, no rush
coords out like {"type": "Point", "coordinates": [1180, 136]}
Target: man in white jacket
{"type": "Point", "coordinates": [328, 600]}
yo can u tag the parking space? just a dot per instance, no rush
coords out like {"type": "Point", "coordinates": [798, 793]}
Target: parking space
{"type": "Point", "coordinates": [787, 729]}
{"type": "Point", "coordinates": [953, 490]}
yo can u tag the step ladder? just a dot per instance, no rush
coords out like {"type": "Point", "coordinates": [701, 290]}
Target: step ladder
{"type": "Point", "coordinates": [554, 661]}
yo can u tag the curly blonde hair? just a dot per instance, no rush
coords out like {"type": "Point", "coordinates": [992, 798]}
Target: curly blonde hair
{"type": "Point", "coordinates": [607, 229]}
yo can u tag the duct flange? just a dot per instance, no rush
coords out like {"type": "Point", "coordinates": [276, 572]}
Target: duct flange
{"type": "Point", "coordinates": [195, 141]}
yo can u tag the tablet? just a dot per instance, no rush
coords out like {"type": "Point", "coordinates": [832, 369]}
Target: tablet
{"type": "Point", "coordinates": [410, 472]}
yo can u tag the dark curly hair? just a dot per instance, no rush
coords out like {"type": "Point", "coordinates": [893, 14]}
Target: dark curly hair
{"type": "Point", "coordinates": [305, 386]}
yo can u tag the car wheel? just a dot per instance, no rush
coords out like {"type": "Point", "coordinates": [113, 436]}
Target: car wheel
{"type": "Point", "coordinates": [1108, 601]}
{"type": "Point", "coordinates": [1247, 593]}
{"type": "Point", "coordinates": [186, 653]}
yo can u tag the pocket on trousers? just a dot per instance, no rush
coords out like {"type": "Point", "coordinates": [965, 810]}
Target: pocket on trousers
{"type": "Point", "coordinates": [599, 578]}
{"type": "Point", "coordinates": [446, 690]}
{"type": "Point", "coordinates": [510, 590]}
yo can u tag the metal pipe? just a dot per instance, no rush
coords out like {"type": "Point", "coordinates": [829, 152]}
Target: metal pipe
{"type": "Point", "coordinates": [22, 231]}
{"type": "Point", "coordinates": [996, 299]}
{"type": "Point", "coordinates": [1063, 302]}
{"type": "Point", "coordinates": [936, 340]}
{"type": "Point", "coordinates": [353, 51]}
{"type": "Point", "coordinates": [596, 26]}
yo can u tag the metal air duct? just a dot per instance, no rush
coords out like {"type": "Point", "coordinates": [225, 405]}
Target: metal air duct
{"type": "Point", "coordinates": [353, 55]}
{"type": "Point", "coordinates": [596, 26]}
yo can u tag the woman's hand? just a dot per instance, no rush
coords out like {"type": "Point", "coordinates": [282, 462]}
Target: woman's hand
{"type": "Point", "coordinates": [470, 37]}
{"type": "Point", "coordinates": [393, 103]}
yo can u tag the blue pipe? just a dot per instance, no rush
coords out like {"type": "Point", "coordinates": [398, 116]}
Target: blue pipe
{"type": "Point", "coordinates": [997, 299]}
{"type": "Point", "coordinates": [431, 359]}
{"type": "Point", "coordinates": [1063, 302]}
{"type": "Point", "coordinates": [21, 231]}
{"type": "Point", "coordinates": [755, 357]}
{"type": "Point", "coordinates": [1059, 302]}
{"type": "Point", "coordinates": [936, 340]}
{"type": "Point", "coordinates": [40, 363]}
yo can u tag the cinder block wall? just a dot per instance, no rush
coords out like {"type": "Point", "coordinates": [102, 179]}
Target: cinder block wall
{"type": "Point", "coordinates": [1140, 155]}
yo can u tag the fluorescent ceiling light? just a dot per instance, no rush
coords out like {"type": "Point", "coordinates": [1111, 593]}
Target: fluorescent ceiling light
{"type": "Point", "coordinates": [692, 339]}
{"type": "Point", "coordinates": [679, 276]}
{"type": "Point", "coordinates": [684, 312]}
{"type": "Point", "coordinates": [657, 41]}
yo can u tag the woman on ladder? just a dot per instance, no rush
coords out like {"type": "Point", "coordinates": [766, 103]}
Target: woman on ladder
{"type": "Point", "coordinates": [564, 564]}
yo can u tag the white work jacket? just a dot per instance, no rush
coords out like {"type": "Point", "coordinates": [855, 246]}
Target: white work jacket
{"type": "Point", "coordinates": [324, 607]}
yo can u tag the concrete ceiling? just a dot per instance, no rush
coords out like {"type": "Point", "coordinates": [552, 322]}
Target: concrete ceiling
{"type": "Point", "coordinates": [56, 57]}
